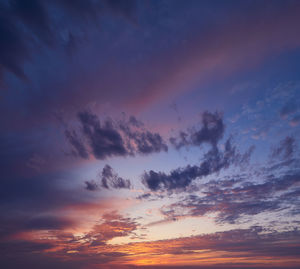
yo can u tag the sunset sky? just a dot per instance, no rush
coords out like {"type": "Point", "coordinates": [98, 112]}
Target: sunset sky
{"type": "Point", "coordinates": [149, 134]}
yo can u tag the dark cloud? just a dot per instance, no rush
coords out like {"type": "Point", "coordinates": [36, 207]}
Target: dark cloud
{"type": "Point", "coordinates": [144, 196]}
{"type": "Point", "coordinates": [211, 132]}
{"type": "Point", "coordinates": [91, 185]}
{"type": "Point", "coordinates": [231, 202]}
{"type": "Point", "coordinates": [104, 139]}
{"type": "Point", "coordinates": [148, 142]}
{"type": "Point", "coordinates": [285, 150]}
{"type": "Point", "coordinates": [110, 179]}
{"type": "Point", "coordinates": [135, 122]}
{"type": "Point", "coordinates": [108, 139]}
{"type": "Point", "coordinates": [212, 129]}
{"type": "Point", "coordinates": [139, 139]}
{"type": "Point", "coordinates": [181, 140]}
{"type": "Point", "coordinates": [213, 162]}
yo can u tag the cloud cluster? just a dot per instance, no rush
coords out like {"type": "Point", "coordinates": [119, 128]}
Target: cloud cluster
{"type": "Point", "coordinates": [213, 162]}
{"type": "Point", "coordinates": [107, 139]}
{"type": "Point", "coordinates": [211, 132]}
{"type": "Point", "coordinates": [112, 225]}
{"type": "Point", "coordinates": [234, 201]}
{"type": "Point", "coordinates": [59, 245]}
{"type": "Point", "coordinates": [108, 179]}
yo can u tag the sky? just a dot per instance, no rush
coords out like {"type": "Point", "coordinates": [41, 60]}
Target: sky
{"type": "Point", "coordinates": [149, 134]}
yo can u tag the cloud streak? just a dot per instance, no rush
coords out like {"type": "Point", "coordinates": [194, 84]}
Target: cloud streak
{"type": "Point", "coordinates": [232, 203]}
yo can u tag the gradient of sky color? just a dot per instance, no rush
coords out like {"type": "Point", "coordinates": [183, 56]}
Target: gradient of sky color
{"type": "Point", "coordinates": [149, 134]}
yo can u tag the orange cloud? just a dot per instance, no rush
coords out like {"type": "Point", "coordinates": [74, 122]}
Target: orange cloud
{"type": "Point", "coordinates": [240, 248]}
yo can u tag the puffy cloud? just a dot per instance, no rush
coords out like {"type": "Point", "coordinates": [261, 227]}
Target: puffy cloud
{"type": "Point", "coordinates": [108, 179]}
{"type": "Point", "coordinates": [211, 131]}
{"type": "Point", "coordinates": [107, 139]}
{"type": "Point", "coordinates": [214, 161]}
{"type": "Point", "coordinates": [91, 185]}
{"type": "Point", "coordinates": [104, 139]}
{"type": "Point", "coordinates": [111, 179]}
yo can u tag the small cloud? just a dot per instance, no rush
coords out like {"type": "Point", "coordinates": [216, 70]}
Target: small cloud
{"type": "Point", "coordinates": [91, 185]}
{"type": "Point", "coordinates": [211, 132]}
{"type": "Point", "coordinates": [285, 150]}
{"type": "Point", "coordinates": [110, 179]}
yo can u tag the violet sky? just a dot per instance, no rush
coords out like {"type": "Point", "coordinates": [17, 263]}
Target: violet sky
{"type": "Point", "coordinates": [149, 134]}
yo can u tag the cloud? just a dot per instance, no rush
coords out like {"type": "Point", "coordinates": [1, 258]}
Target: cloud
{"type": "Point", "coordinates": [139, 139]}
{"type": "Point", "coordinates": [237, 247]}
{"type": "Point", "coordinates": [237, 242]}
{"type": "Point", "coordinates": [211, 132]}
{"type": "Point", "coordinates": [110, 179]}
{"type": "Point", "coordinates": [213, 162]}
{"type": "Point", "coordinates": [91, 185]}
{"type": "Point", "coordinates": [104, 139]}
{"type": "Point", "coordinates": [107, 139]}
{"type": "Point", "coordinates": [112, 225]}
{"type": "Point", "coordinates": [232, 203]}
{"type": "Point", "coordinates": [285, 150]}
